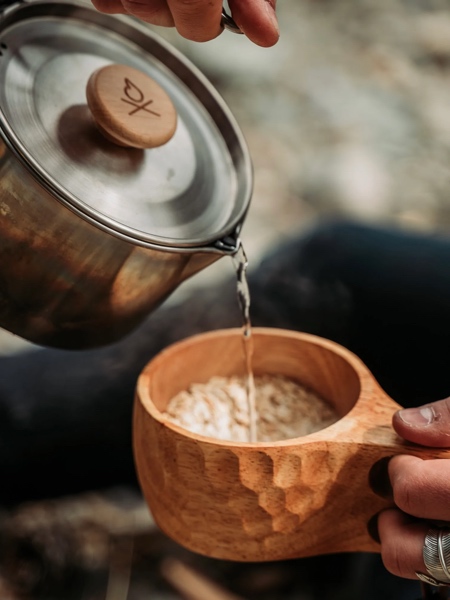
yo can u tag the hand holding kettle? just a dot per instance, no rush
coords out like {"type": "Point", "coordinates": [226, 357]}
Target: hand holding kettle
{"type": "Point", "coordinates": [199, 20]}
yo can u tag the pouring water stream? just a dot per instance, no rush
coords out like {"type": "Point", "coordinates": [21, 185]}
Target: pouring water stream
{"type": "Point", "coordinates": [241, 263]}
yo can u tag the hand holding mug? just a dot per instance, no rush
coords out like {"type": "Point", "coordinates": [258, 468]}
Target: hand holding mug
{"type": "Point", "coordinates": [421, 492]}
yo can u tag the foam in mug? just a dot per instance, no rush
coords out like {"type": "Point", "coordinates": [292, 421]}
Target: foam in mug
{"type": "Point", "coordinates": [219, 408]}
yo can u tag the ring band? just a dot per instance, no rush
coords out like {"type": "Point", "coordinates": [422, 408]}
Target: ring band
{"type": "Point", "coordinates": [436, 556]}
{"type": "Point", "coordinates": [431, 580]}
{"type": "Point", "coordinates": [443, 550]}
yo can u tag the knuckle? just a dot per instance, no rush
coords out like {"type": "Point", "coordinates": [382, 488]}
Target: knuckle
{"type": "Point", "coordinates": [137, 6]}
{"type": "Point", "coordinates": [191, 6]}
{"type": "Point", "coordinates": [148, 12]}
{"type": "Point", "coordinates": [411, 487]}
{"type": "Point", "coordinates": [198, 21]}
{"type": "Point", "coordinates": [103, 6]}
{"type": "Point", "coordinates": [392, 559]}
{"type": "Point", "coordinates": [405, 495]}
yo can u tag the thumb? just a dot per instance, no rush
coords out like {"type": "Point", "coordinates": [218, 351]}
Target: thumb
{"type": "Point", "coordinates": [428, 425]}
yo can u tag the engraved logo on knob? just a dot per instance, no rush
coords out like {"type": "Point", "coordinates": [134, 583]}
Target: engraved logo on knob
{"type": "Point", "coordinates": [136, 98]}
{"type": "Point", "coordinates": [130, 108]}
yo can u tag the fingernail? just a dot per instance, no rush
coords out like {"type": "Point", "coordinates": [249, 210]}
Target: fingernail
{"type": "Point", "coordinates": [417, 417]}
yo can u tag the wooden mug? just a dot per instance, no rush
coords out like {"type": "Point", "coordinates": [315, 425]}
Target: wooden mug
{"type": "Point", "coordinates": [294, 498]}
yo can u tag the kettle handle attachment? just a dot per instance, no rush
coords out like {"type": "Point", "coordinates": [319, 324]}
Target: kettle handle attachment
{"type": "Point", "coordinates": [228, 23]}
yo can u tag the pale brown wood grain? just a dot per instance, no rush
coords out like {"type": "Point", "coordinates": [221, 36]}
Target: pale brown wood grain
{"type": "Point", "coordinates": [130, 108]}
{"type": "Point", "coordinates": [266, 501]}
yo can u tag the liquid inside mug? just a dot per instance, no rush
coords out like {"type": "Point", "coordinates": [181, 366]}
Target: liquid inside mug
{"type": "Point", "coordinates": [122, 173]}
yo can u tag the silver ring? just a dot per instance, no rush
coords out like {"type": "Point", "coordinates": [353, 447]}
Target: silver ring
{"type": "Point", "coordinates": [228, 23]}
{"type": "Point", "coordinates": [431, 580]}
{"type": "Point", "coordinates": [436, 556]}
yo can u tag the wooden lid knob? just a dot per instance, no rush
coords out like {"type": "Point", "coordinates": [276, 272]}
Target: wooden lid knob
{"type": "Point", "coordinates": [130, 108]}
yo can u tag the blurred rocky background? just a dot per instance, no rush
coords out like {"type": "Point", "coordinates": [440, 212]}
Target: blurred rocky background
{"type": "Point", "coordinates": [349, 115]}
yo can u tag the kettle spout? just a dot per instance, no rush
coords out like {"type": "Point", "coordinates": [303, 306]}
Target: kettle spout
{"type": "Point", "coordinates": [227, 246]}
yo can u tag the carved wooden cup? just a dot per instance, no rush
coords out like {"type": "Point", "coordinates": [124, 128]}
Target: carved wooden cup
{"type": "Point", "coordinates": [267, 501]}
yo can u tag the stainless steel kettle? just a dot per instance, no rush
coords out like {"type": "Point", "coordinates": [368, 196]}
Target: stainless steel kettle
{"type": "Point", "coordinates": [94, 235]}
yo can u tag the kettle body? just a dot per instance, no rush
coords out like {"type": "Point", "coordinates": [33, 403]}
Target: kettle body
{"type": "Point", "coordinates": [66, 283]}
{"type": "Point", "coordinates": [92, 242]}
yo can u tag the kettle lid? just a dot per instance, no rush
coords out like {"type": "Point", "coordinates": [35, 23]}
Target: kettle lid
{"type": "Point", "coordinates": [191, 189]}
